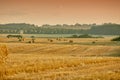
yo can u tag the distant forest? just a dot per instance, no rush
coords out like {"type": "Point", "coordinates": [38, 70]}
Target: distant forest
{"type": "Point", "coordinates": [104, 29]}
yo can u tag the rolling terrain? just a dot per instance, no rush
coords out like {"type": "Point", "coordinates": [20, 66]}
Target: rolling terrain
{"type": "Point", "coordinates": [61, 60]}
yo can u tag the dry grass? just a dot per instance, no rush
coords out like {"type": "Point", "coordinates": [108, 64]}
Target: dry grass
{"type": "Point", "coordinates": [60, 62]}
{"type": "Point", "coordinates": [3, 53]}
{"type": "Point", "coordinates": [37, 67]}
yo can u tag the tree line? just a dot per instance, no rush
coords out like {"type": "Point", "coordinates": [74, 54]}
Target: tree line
{"type": "Point", "coordinates": [104, 29]}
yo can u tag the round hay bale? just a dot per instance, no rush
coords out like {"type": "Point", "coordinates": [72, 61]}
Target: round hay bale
{"type": "Point", "coordinates": [70, 41]}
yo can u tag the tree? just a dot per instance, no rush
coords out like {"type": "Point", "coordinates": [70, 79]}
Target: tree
{"type": "Point", "coordinates": [116, 39]}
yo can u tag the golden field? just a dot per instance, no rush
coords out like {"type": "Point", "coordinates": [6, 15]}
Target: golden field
{"type": "Point", "coordinates": [61, 60]}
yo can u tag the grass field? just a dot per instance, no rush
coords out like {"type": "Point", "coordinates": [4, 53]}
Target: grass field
{"type": "Point", "coordinates": [53, 35]}
{"type": "Point", "coordinates": [61, 60]}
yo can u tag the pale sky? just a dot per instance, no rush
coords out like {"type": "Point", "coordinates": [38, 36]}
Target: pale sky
{"type": "Point", "coordinates": [59, 11]}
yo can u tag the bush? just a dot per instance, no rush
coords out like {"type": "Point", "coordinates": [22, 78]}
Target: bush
{"type": "Point", "coordinates": [93, 42]}
{"type": "Point", "coordinates": [116, 39]}
{"type": "Point", "coordinates": [32, 36]}
{"type": "Point", "coordinates": [17, 36]}
{"type": "Point", "coordinates": [85, 36]}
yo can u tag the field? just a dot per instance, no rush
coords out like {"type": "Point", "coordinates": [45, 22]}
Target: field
{"type": "Point", "coordinates": [82, 59]}
{"type": "Point", "coordinates": [53, 35]}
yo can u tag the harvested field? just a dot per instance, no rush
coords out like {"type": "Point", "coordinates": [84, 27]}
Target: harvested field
{"type": "Point", "coordinates": [44, 60]}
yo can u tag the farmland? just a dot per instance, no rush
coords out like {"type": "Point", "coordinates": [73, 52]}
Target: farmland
{"type": "Point", "coordinates": [61, 60]}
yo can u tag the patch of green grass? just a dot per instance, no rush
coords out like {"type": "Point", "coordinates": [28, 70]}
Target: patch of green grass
{"type": "Point", "coordinates": [91, 43]}
{"type": "Point", "coordinates": [114, 54]}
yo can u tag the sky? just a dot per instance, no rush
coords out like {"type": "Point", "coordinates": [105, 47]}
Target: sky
{"type": "Point", "coordinates": [41, 12]}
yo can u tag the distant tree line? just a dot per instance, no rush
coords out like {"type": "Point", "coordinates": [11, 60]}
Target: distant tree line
{"type": "Point", "coordinates": [104, 29]}
{"type": "Point", "coordinates": [84, 36]}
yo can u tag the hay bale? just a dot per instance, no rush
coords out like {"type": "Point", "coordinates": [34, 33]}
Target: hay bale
{"type": "Point", "coordinates": [70, 41]}
{"type": "Point", "coordinates": [51, 40]}
{"type": "Point", "coordinates": [3, 53]}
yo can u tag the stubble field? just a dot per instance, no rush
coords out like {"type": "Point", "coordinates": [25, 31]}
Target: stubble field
{"type": "Point", "coordinates": [82, 59]}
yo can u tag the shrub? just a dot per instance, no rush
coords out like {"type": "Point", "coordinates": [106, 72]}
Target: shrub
{"type": "Point", "coordinates": [32, 36]}
{"type": "Point", "coordinates": [17, 36]}
{"type": "Point", "coordinates": [85, 36]}
{"type": "Point", "coordinates": [93, 42]}
{"type": "Point", "coordinates": [116, 39]}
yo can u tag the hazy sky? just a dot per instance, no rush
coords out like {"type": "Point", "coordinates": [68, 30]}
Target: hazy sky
{"type": "Point", "coordinates": [59, 11]}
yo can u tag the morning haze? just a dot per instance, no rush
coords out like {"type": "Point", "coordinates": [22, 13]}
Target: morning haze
{"type": "Point", "coordinates": [59, 11]}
